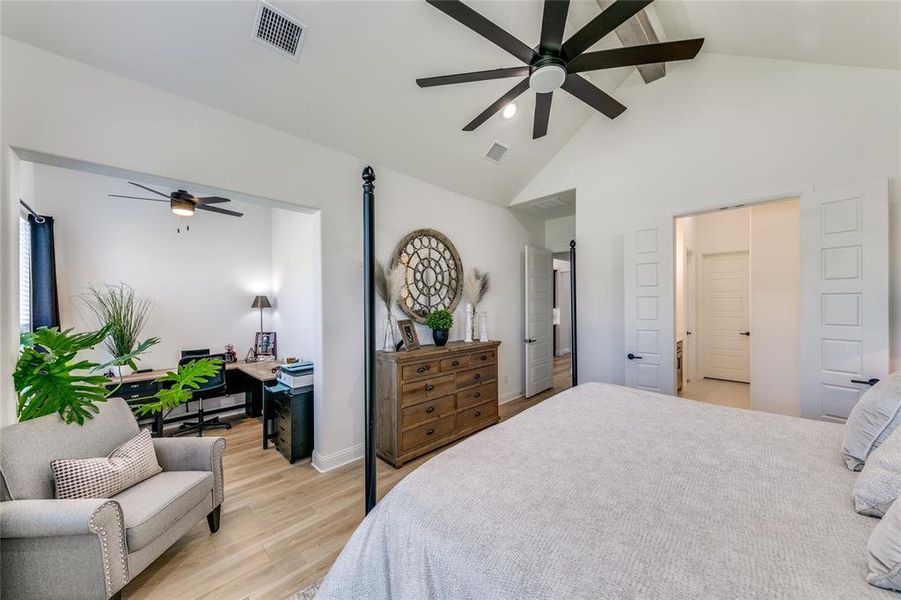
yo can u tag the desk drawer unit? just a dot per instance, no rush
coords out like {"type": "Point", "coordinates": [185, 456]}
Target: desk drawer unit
{"type": "Point", "coordinates": [430, 397]}
{"type": "Point", "coordinates": [293, 423]}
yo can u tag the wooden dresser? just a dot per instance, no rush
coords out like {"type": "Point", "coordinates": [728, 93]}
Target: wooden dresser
{"type": "Point", "coordinates": [430, 397]}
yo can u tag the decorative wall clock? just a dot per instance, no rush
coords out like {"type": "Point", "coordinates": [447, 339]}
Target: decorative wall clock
{"type": "Point", "coordinates": [434, 277]}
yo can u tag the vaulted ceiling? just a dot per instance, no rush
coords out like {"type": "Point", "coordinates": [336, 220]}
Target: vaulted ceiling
{"type": "Point", "coordinates": [353, 87]}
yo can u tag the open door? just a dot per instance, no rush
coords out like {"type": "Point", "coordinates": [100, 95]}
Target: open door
{"type": "Point", "coordinates": [648, 267]}
{"type": "Point", "coordinates": [844, 296]}
{"type": "Point", "coordinates": [539, 328]}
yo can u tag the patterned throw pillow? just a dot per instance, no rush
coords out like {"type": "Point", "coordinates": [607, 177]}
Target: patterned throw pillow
{"type": "Point", "coordinates": [132, 462]}
{"type": "Point", "coordinates": [879, 484]}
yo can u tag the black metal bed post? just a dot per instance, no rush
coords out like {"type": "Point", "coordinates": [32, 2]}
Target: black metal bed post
{"type": "Point", "coordinates": [572, 306]}
{"type": "Point", "coordinates": [369, 329]}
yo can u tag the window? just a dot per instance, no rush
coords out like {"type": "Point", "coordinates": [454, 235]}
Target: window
{"type": "Point", "coordinates": [24, 274]}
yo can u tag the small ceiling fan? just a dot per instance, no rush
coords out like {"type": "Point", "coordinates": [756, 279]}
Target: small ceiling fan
{"type": "Point", "coordinates": [184, 204]}
{"type": "Point", "coordinates": [555, 64]}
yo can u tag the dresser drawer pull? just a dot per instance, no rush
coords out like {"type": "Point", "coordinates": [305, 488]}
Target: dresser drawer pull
{"type": "Point", "coordinates": [429, 388]}
{"type": "Point", "coordinates": [477, 376]}
{"type": "Point", "coordinates": [477, 395]}
{"type": "Point", "coordinates": [430, 409]}
{"type": "Point", "coordinates": [422, 369]}
{"type": "Point", "coordinates": [484, 357]}
{"type": "Point", "coordinates": [430, 431]}
{"type": "Point", "coordinates": [456, 363]}
{"type": "Point", "coordinates": [478, 413]}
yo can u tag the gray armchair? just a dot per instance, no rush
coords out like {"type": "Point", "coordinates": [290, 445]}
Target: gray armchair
{"type": "Point", "coordinates": [89, 549]}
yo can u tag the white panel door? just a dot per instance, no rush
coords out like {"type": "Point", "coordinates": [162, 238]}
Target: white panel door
{"type": "Point", "coordinates": [844, 296]}
{"type": "Point", "coordinates": [725, 317]}
{"type": "Point", "coordinates": [539, 311]}
{"type": "Point", "coordinates": [648, 266]}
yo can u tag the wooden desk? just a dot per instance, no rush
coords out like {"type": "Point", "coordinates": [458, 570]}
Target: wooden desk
{"type": "Point", "coordinates": [250, 378]}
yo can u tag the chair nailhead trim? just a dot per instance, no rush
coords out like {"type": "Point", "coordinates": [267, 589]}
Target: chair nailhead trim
{"type": "Point", "coordinates": [104, 545]}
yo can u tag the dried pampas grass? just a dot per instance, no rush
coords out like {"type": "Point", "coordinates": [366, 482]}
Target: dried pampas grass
{"type": "Point", "coordinates": [389, 283]}
{"type": "Point", "coordinates": [475, 286]}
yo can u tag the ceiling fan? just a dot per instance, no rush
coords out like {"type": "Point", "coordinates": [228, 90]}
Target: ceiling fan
{"type": "Point", "coordinates": [555, 64]}
{"type": "Point", "coordinates": [184, 204]}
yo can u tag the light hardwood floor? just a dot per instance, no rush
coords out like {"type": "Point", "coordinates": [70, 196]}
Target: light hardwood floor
{"type": "Point", "coordinates": [717, 391]}
{"type": "Point", "coordinates": [282, 525]}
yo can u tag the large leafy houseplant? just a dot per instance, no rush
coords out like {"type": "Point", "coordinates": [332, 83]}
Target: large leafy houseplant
{"type": "Point", "coordinates": [50, 378]}
{"type": "Point", "coordinates": [123, 314]}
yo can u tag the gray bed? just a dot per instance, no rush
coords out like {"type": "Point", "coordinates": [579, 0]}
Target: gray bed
{"type": "Point", "coordinates": [609, 492]}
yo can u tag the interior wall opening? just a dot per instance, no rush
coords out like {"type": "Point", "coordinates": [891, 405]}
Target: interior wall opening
{"type": "Point", "coordinates": [737, 306]}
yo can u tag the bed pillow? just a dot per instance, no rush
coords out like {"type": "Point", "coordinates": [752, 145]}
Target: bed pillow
{"type": "Point", "coordinates": [872, 420]}
{"type": "Point", "coordinates": [884, 551]}
{"type": "Point", "coordinates": [131, 463]}
{"type": "Point", "coordinates": [879, 484]}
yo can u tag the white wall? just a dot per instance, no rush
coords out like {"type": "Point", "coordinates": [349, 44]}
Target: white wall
{"type": "Point", "coordinates": [120, 124]}
{"type": "Point", "coordinates": [564, 306]}
{"type": "Point", "coordinates": [775, 268]}
{"type": "Point", "coordinates": [201, 282]}
{"type": "Point", "coordinates": [718, 130]}
{"type": "Point", "coordinates": [295, 256]}
{"type": "Point", "coordinates": [559, 232]}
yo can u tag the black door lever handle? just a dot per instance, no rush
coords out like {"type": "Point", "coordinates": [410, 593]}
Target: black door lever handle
{"type": "Point", "coordinates": [871, 381]}
{"type": "Point", "coordinates": [747, 333]}
{"type": "Point", "coordinates": [631, 356]}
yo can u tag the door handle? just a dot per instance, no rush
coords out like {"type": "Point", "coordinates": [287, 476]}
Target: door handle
{"type": "Point", "coordinates": [870, 381]}
{"type": "Point", "coordinates": [687, 333]}
{"type": "Point", "coordinates": [746, 333]}
{"type": "Point", "coordinates": [526, 341]}
{"type": "Point", "coordinates": [631, 356]}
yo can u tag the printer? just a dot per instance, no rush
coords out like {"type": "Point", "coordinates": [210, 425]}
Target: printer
{"type": "Point", "coordinates": [295, 375]}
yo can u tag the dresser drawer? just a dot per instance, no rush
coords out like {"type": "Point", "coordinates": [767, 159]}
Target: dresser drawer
{"type": "Point", "coordinates": [428, 433]}
{"type": "Point", "coordinates": [420, 370]}
{"type": "Point", "coordinates": [476, 395]}
{"type": "Point", "coordinates": [488, 357]}
{"type": "Point", "coordinates": [135, 390]}
{"type": "Point", "coordinates": [474, 377]}
{"type": "Point", "coordinates": [427, 411]}
{"type": "Point", "coordinates": [455, 362]}
{"type": "Point", "coordinates": [428, 389]}
{"type": "Point", "coordinates": [476, 414]}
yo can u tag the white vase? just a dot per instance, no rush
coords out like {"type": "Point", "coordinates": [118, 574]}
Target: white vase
{"type": "Point", "coordinates": [388, 343]}
{"type": "Point", "coordinates": [483, 326]}
{"type": "Point", "coordinates": [468, 330]}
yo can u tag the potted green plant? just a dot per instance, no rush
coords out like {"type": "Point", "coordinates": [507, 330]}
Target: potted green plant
{"type": "Point", "coordinates": [440, 323]}
{"type": "Point", "coordinates": [50, 378]}
{"type": "Point", "coordinates": [123, 314]}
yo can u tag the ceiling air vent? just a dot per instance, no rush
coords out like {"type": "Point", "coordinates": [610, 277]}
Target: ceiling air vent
{"type": "Point", "coordinates": [497, 152]}
{"type": "Point", "coordinates": [279, 31]}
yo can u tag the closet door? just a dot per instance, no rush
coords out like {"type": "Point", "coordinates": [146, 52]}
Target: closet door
{"type": "Point", "coordinates": [844, 296]}
{"type": "Point", "coordinates": [648, 320]}
{"type": "Point", "coordinates": [539, 325]}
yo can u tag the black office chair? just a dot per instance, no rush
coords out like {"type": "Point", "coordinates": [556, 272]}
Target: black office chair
{"type": "Point", "coordinates": [212, 388]}
{"type": "Point", "coordinates": [195, 353]}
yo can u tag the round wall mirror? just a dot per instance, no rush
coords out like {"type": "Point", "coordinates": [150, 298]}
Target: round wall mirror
{"type": "Point", "coordinates": [434, 276]}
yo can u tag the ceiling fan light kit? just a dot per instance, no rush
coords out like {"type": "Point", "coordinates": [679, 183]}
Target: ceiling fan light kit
{"type": "Point", "coordinates": [553, 64]}
{"type": "Point", "coordinates": [183, 203]}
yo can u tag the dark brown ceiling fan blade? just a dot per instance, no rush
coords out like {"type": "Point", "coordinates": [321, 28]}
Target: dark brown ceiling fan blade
{"type": "Point", "coordinates": [488, 30]}
{"type": "Point", "coordinates": [474, 76]}
{"type": "Point", "coordinates": [542, 115]}
{"type": "Point", "coordinates": [636, 55]}
{"type": "Point", "coordinates": [144, 187]}
{"type": "Point", "coordinates": [138, 198]}
{"type": "Point", "coordinates": [221, 211]}
{"type": "Point", "coordinates": [498, 104]}
{"type": "Point", "coordinates": [597, 99]}
{"type": "Point", "coordinates": [612, 17]}
{"type": "Point", "coordinates": [553, 22]}
{"type": "Point", "coordinates": [211, 200]}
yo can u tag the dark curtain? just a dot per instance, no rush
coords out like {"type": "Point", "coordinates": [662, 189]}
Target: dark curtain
{"type": "Point", "coordinates": [44, 300]}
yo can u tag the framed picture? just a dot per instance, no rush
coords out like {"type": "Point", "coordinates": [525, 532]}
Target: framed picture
{"type": "Point", "coordinates": [408, 333]}
{"type": "Point", "coordinates": [264, 344]}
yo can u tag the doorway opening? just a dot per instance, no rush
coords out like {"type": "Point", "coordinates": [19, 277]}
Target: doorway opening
{"type": "Point", "coordinates": [737, 306]}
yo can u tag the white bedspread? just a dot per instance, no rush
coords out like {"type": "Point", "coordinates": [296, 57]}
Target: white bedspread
{"type": "Point", "coordinates": [608, 492]}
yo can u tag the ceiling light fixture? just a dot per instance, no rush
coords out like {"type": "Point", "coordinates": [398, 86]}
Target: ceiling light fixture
{"type": "Point", "coordinates": [509, 110]}
{"type": "Point", "coordinates": [182, 208]}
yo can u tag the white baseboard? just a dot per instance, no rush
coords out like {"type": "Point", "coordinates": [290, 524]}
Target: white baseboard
{"type": "Point", "coordinates": [327, 462]}
{"type": "Point", "coordinates": [510, 396]}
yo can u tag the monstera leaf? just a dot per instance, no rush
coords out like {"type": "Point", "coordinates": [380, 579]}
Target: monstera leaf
{"type": "Point", "coordinates": [188, 377]}
{"type": "Point", "coordinates": [50, 379]}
